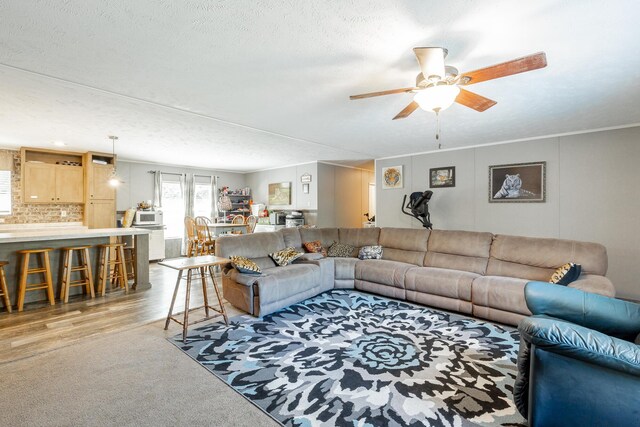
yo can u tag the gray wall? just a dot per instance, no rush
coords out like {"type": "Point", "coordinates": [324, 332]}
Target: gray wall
{"type": "Point", "coordinates": [593, 194]}
{"type": "Point", "coordinates": [259, 183]}
{"type": "Point", "coordinates": [138, 183]}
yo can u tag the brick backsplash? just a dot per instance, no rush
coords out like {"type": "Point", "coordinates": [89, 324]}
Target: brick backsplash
{"type": "Point", "coordinates": [35, 213]}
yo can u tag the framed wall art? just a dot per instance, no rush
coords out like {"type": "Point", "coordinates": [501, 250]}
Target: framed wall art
{"type": "Point", "coordinates": [392, 177]}
{"type": "Point", "coordinates": [280, 194]}
{"type": "Point", "coordinates": [518, 182]}
{"type": "Point", "coordinates": [442, 177]}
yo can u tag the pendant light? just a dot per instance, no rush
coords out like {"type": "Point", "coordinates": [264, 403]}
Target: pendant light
{"type": "Point", "coordinates": [114, 181]}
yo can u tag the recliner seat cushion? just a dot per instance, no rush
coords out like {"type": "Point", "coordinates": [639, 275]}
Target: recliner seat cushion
{"type": "Point", "coordinates": [279, 283]}
{"type": "Point", "coordinates": [502, 293]}
{"type": "Point", "coordinates": [441, 281]}
{"type": "Point", "coordinates": [390, 273]}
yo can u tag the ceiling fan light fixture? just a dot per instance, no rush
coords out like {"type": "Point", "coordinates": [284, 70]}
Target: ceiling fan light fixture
{"type": "Point", "coordinates": [431, 60]}
{"type": "Point", "coordinates": [437, 98]}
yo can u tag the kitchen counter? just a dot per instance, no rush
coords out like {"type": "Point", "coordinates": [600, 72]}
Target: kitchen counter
{"type": "Point", "coordinates": [57, 238]}
{"type": "Point", "coordinates": [63, 234]}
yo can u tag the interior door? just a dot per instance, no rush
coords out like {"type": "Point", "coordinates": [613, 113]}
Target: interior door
{"type": "Point", "coordinates": [39, 183]}
{"type": "Point", "coordinates": [69, 184]}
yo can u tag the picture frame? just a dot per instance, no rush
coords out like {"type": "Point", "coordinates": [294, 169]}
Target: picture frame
{"type": "Point", "coordinates": [305, 178]}
{"type": "Point", "coordinates": [518, 183]}
{"type": "Point", "coordinates": [280, 194]}
{"type": "Point", "coordinates": [442, 177]}
{"type": "Point", "coordinates": [305, 188]}
{"type": "Point", "coordinates": [392, 177]}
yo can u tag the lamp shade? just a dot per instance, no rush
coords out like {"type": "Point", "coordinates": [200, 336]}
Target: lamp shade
{"type": "Point", "coordinates": [437, 98]}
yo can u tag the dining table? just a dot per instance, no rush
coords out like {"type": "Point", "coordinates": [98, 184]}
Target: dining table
{"type": "Point", "coordinates": [220, 228]}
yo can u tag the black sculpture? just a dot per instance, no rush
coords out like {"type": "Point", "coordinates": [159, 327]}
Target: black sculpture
{"type": "Point", "coordinates": [419, 207]}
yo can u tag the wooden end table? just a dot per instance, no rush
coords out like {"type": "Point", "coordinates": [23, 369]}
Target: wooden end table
{"type": "Point", "coordinates": [201, 263]}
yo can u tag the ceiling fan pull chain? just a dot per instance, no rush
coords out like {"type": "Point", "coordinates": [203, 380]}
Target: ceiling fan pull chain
{"type": "Point", "coordinates": [437, 111]}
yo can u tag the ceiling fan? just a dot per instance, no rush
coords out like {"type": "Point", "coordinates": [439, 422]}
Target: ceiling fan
{"type": "Point", "coordinates": [439, 85]}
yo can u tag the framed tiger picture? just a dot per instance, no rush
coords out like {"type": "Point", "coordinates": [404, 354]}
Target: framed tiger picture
{"type": "Point", "coordinates": [518, 182]}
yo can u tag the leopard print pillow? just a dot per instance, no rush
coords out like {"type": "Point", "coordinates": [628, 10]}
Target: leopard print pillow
{"type": "Point", "coordinates": [286, 256]}
{"type": "Point", "coordinates": [245, 265]}
{"type": "Point", "coordinates": [566, 274]}
{"type": "Point", "coordinates": [341, 250]}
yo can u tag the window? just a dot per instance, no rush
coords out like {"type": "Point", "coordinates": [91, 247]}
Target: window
{"type": "Point", "coordinates": [172, 206]}
{"type": "Point", "coordinates": [5, 192]}
{"type": "Point", "coordinates": [202, 200]}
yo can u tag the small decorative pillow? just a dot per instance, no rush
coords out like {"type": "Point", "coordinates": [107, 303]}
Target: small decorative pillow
{"type": "Point", "coordinates": [286, 256]}
{"type": "Point", "coordinates": [370, 252]}
{"type": "Point", "coordinates": [340, 250]}
{"type": "Point", "coordinates": [245, 265]}
{"type": "Point", "coordinates": [315, 247]}
{"type": "Point", "coordinates": [566, 274]}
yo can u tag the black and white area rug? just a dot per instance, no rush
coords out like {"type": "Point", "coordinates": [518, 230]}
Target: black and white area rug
{"type": "Point", "coordinates": [344, 358]}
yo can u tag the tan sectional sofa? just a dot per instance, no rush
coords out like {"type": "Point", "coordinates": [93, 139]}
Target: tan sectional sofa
{"type": "Point", "coordinates": [475, 273]}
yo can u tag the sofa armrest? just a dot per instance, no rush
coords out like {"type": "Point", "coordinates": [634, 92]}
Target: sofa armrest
{"type": "Point", "coordinates": [608, 315]}
{"type": "Point", "coordinates": [595, 284]}
{"type": "Point", "coordinates": [581, 343]}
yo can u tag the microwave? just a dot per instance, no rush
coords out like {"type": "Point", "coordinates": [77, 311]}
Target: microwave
{"type": "Point", "coordinates": [148, 218]}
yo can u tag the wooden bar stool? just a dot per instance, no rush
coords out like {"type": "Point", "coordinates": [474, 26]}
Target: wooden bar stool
{"type": "Point", "coordinates": [3, 287]}
{"type": "Point", "coordinates": [112, 268]}
{"type": "Point", "coordinates": [25, 271]}
{"type": "Point", "coordinates": [130, 263]}
{"type": "Point", "coordinates": [84, 268]}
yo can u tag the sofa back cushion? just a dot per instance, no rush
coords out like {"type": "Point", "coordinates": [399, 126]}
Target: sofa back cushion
{"type": "Point", "coordinates": [404, 244]}
{"type": "Point", "coordinates": [359, 237]}
{"type": "Point", "coordinates": [292, 238]}
{"type": "Point", "coordinates": [256, 247]}
{"type": "Point", "coordinates": [534, 258]}
{"type": "Point", "coordinates": [458, 250]}
{"type": "Point", "coordinates": [326, 236]}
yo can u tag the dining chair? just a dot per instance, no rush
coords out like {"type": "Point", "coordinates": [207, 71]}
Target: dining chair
{"type": "Point", "coordinates": [238, 219]}
{"type": "Point", "coordinates": [206, 243]}
{"type": "Point", "coordinates": [251, 222]}
{"type": "Point", "coordinates": [192, 236]}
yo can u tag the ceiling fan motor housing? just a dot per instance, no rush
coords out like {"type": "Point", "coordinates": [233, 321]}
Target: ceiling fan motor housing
{"type": "Point", "coordinates": [431, 60]}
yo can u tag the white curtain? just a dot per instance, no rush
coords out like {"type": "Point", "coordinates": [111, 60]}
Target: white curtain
{"type": "Point", "coordinates": [187, 184]}
{"type": "Point", "coordinates": [157, 189]}
{"type": "Point", "coordinates": [214, 198]}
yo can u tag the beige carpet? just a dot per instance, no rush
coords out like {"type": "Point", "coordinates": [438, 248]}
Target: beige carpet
{"type": "Point", "coordinates": [128, 378]}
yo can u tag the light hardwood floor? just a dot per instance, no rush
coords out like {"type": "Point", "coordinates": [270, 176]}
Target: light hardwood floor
{"type": "Point", "coordinates": [41, 328]}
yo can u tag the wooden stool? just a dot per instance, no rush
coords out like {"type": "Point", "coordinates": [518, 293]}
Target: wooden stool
{"type": "Point", "coordinates": [119, 272]}
{"type": "Point", "coordinates": [84, 268]}
{"type": "Point", "coordinates": [25, 271]}
{"type": "Point", "coordinates": [130, 263]}
{"type": "Point", "coordinates": [3, 287]}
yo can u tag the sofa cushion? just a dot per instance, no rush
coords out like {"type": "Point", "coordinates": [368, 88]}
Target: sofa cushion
{"type": "Point", "coordinates": [404, 244]}
{"type": "Point", "coordinates": [345, 268]}
{"type": "Point", "coordinates": [384, 272]}
{"type": "Point", "coordinates": [502, 293]}
{"type": "Point", "coordinates": [327, 236]}
{"type": "Point", "coordinates": [458, 250]}
{"type": "Point", "coordinates": [370, 252]}
{"type": "Point", "coordinates": [440, 281]}
{"type": "Point", "coordinates": [279, 283]}
{"type": "Point", "coordinates": [255, 245]}
{"type": "Point", "coordinates": [291, 237]}
{"type": "Point", "coordinates": [537, 258]}
{"type": "Point", "coordinates": [341, 250]}
{"type": "Point", "coordinates": [358, 237]}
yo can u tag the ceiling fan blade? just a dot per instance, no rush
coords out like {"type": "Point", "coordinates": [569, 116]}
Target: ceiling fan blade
{"type": "Point", "coordinates": [475, 101]}
{"type": "Point", "coordinates": [407, 110]}
{"type": "Point", "coordinates": [384, 92]}
{"type": "Point", "coordinates": [520, 65]}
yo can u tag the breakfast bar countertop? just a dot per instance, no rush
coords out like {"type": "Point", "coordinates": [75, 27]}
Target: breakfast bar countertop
{"type": "Point", "coordinates": [65, 234]}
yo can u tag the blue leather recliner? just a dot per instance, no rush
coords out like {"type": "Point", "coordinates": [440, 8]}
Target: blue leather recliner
{"type": "Point", "coordinates": [579, 359]}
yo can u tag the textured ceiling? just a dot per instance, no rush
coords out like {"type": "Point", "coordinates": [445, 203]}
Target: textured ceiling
{"type": "Point", "coordinates": [248, 84]}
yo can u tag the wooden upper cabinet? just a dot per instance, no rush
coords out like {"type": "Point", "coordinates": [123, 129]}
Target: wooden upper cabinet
{"type": "Point", "coordinates": [98, 182]}
{"type": "Point", "coordinates": [69, 184]}
{"type": "Point", "coordinates": [50, 176]}
{"type": "Point", "coordinates": [39, 183]}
